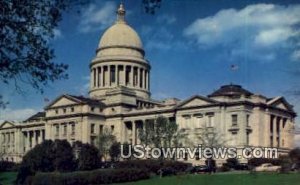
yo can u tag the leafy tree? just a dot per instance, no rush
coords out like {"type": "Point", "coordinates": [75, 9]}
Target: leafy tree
{"type": "Point", "coordinates": [210, 137]}
{"type": "Point", "coordinates": [88, 157]}
{"type": "Point", "coordinates": [159, 133]}
{"type": "Point", "coordinates": [64, 157]}
{"type": "Point", "coordinates": [105, 141]}
{"type": "Point", "coordinates": [115, 151]}
{"type": "Point", "coordinates": [25, 52]}
{"type": "Point", "coordinates": [295, 155]}
{"type": "Point", "coordinates": [46, 157]}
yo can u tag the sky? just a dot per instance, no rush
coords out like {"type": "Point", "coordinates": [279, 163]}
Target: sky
{"type": "Point", "coordinates": [190, 44]}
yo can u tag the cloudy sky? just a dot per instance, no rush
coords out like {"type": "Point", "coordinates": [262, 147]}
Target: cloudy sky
{"type": "Point", "coordinates": [190, 45]}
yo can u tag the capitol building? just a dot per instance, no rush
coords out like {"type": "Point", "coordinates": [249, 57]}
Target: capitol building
{"type": "Point", "coordinates": [120, 99]}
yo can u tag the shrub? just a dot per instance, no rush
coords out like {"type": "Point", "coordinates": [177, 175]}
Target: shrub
{"type": "Point", "coordinates": [46, 157]}
{"type": "Point", "coordinates": [7, 166]}
{"type": "Point", "coordinates": [232, 163]}
{"type": "Point", "coordinates": [88, 157]}
{"type": "Point", "coordinates": [153, 166]}
{"type": "Point", "coordinates": [106, 176]}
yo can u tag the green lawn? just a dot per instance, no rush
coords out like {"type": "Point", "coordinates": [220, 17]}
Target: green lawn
{"type": "Point", "coordinates": [223, 179]}
{"type": "Point", "coordinates": [7, 178]}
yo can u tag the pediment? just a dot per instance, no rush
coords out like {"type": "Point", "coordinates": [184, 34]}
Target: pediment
{"type": "Point", "coordinates": [7, 124]}
{"type": "Point", "coordinates": [63, 100]}
{"type": "Point", "coordinates": [281, 103]}
{"type": "Point", "coordinates": [196, 101]}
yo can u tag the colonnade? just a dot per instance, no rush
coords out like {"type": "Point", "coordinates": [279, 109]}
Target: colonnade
{"type": "Point", "coordinates": [114, 75]}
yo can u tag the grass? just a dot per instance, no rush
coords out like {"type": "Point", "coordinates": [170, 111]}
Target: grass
{"type": "Point", "coordinates": [7, 178]}
{"type": "Point", "coordinates": [224, 179]}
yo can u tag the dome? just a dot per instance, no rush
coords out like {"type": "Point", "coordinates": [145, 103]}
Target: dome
{"type": "Point", "coordinates": [231, 90]}
{"type": "Point", "coordinates": [120, 34]}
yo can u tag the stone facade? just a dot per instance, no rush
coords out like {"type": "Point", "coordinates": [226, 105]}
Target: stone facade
{"type": "Point", "coordinates": [120, 99]}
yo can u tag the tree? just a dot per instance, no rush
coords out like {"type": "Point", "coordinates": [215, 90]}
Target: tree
{"type": "Point", "coordinates": [210, 137]}
{"type": "Point", "coordinates": [25, 52]}
{"type": "Point", "coordinates": [294, 154]}
{"type": "Point", "coordinates": [105, 141]}
{"type": "Point", "coordinates": [88, 157]}
{"type": "Point", "coordinates": [63, 156]}
{"type": "Point", "coordinates": [159, 132]}
{"type": "Point", "coordinates": [115, 151]}
{"type": "Point", "coordinates": [46, 157]}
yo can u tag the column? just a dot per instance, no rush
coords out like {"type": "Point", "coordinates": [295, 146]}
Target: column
{"type": "Point", "coordinates": [28, 141]}
{"type": "Point", "coordinates": [40, 138]}
{"type": "Point", "coordinates": [117, 75]}
{"type": "Point", "coordinates": [96, 77]}
{"type": "Point", "coordinates": [138, 77]}
{"type": "Point", "coordinates": [103, 76]}
{"type": "Point", "coordinates": [133, 132]}
{"type": "Point", "coordinates": [109, 74]}
{"type": "Point", "coordinates": [142, 78]}
{"type": "Point", "coordinates": [92, 78]}
{"type": "Point", "coordinates": [132, 76]}
{"type": "Point", "coordinates": [145, 79]}
{"type": "Point", "coordinates": [124, 75]}
{"type": "Point", "coordinates": [148, 80]}
{"type": "Point", "coordinates": [275, 122]}
{"type": "Point", "coordinates": [33, 141]}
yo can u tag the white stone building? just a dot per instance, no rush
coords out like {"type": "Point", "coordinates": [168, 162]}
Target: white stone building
{"type": "Point", "coordinates": [119, 98]}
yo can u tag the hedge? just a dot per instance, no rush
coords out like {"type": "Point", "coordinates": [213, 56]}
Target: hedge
{"type": "Point", "coordinates": [153, 166]}
{"type": "Point", "coordinates": [103, 176]}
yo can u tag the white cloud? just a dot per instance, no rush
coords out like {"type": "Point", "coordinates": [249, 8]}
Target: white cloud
{"type": "Point", "coordinates": [16, 114]}
{"type": "Point", "coordinates": [296, 55]}
{"type": "Point", "coordinates": [97, 17]}
{"type": "Point", "coordinates": [256, 27]}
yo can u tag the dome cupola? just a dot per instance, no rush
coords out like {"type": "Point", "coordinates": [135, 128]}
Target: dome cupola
{"type": "Point", "coordinates": [120, 60]}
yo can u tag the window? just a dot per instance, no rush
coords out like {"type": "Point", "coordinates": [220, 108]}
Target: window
{"type": "Point", "coordinates": [234, 119]}
{"type": "Point", "coordinates": [65, 130]}
{"type": "Point", "coordinates": [92, 128]}
{"type": "Point", "coordinates": [72, 109]}
{"type": "Point", "coordinates": [101, 129]}
{"type": "Point", "coordinates": [56, 111]}
{"type": "Point", "coordinates": [73, 128]}
{"type": "Point", "coordinates": [247, 138]}
{"type": "Point", "coordinates": [57, 130]}
{"type": "Point", "coordinates": [113, 74]}
{"type": "Point", "coordinates": [92, 109]}
{"type": "Point", "coordinates": [210, 122]}
{"type": "Point", "coordinates": [247, 120]}
{"type": "Point", "coordinates": [112, 128]}
{"type": "Point", "coordinates": [65, 110]}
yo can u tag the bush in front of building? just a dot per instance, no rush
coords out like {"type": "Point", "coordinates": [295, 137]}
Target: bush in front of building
{"type": "Point", "coordinates": [153, 166]}
{"type": "Point", "coordinates": [88, 157]}
{"type": "Point", "coordinates": [48, 156]}
{"type": "Point", "coordinates": [103, 176]}
{"type": "Point", "coordinates": [8, 166]}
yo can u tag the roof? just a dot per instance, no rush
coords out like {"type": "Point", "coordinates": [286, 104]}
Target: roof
{"type": "Point", "coordinates": [87, 100]}
{"type": "Point", "coordinates": [231, 90]}
{"type": "Point", "coordinates": [120, 34]}
{"type": "Point", "coordinates": [77, 99]}
{"type": "Point", "coordinates": [36, 116]}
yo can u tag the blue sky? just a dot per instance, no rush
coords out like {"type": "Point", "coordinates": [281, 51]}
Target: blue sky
{"type": "Point", "coordinates": [190, 44]}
